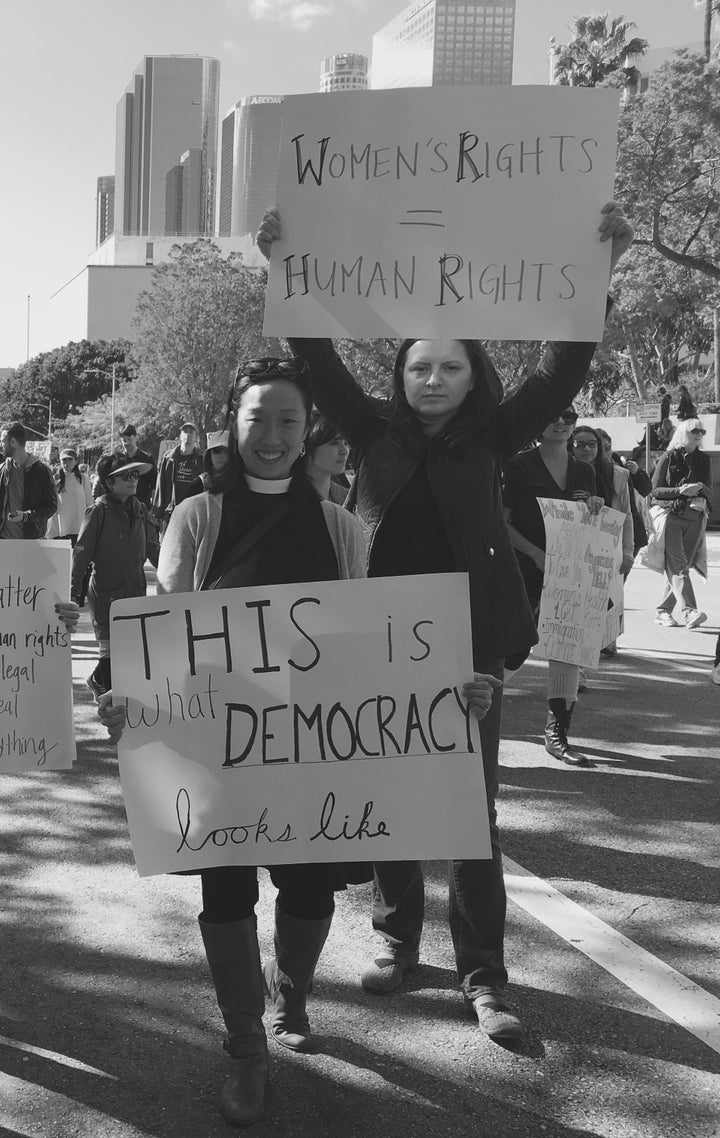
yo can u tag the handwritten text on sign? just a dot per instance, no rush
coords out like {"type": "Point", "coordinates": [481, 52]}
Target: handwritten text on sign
{"type": "Point", "coordinates": [444, 212]}
{"type": "Point", "coordinates": [582, 560]}
{"type": "Point", "coordinates": [300, 723]}
{"type": "Point", "coordinates": [36, 722]}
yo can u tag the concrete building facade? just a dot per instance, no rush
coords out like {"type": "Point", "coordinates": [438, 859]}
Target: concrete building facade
{"type": "Point", "coordinates": [445, 42]}
{"type": "Point", "coordinates": [104, 208]}
{"type": "Point", "coordinates": [166, 147]}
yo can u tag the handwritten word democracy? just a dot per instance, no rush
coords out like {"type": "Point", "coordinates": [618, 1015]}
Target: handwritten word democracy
{"type": "Point", "coordinates": [467, 158]}
{"type": "Point", "coordinates": [377, 725]}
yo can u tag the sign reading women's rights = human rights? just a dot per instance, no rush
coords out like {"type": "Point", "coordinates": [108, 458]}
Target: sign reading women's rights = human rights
{"type": "Point", "coordinates": [36, 720]}
{"type": "Point", "coordinates": [444, 212]}
{"type": "Point", "coordinates": [583, 556]}
{"type": "Point", "coordinates": [299, 723]}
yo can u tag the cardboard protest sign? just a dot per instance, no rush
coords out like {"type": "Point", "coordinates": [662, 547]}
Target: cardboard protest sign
{"type": "Point", "coordinates": [583, 556]}
{"type": "Point", "coordinates": [299, 723]}
{"type": "Point", "coordinates": [444, 212]}
{"type": "Point", "coordinates": [36, 719]}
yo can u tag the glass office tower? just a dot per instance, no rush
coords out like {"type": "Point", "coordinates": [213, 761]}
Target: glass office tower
{"type": "Point", "coordinates": [166, 147]}
{"type": "Point", "coordinates": [249, 163]}
{"type": "Point", "coordinates": [445, 42]}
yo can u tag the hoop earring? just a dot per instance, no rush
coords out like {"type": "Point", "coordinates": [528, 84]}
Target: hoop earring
{"type": "Point", "coordinates": [302, 451]}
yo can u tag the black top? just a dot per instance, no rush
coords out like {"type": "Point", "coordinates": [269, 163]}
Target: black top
{"type": "Point", "coordinates": [413, 538]}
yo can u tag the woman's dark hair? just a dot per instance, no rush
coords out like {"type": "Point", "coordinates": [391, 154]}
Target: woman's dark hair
{"type": "Point", "coordinates": [231, 477]}
{"type": "Point", "coordinates": [471, 417]}
{"type": "Point", "coordinates": [61, 475]}
{"type": "Point", "coordinates": [321, 431]}
{"type": "Point", "coordinates": [603, 469]}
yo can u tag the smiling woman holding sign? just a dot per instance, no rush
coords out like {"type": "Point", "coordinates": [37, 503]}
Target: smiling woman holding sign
{"type": "Point", "coordinates": [262, 523]}
{"type": "Point", "coordinates": [427, 493]}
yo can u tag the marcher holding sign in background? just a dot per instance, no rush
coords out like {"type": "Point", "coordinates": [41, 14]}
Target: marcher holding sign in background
{"type": "Point", "coordinates": [262, 523]}
{"type": "Point", "coordinates": [548, 471]}
{"type": "Point", "coordinates": [428, 497]}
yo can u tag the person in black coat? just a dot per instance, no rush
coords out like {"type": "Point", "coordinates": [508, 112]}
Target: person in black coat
{"type": "Point", "coordinates": [427, 493]}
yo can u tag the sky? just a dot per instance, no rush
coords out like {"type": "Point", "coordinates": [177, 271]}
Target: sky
{"type": "Point", "coordinates": [67, 62]}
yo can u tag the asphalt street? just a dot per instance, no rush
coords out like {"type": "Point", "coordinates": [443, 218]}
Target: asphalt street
{"type": "Point", "coordinates": [108, 1025]}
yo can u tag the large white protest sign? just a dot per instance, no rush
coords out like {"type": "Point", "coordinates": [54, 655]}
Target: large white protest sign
{"type": "Point", "coordinates": [583, 555]}
{"type": "Point", "coordinates": [444, 212]}
{"type": "Point", "coordinates": [36, 720]}
{"type": "Point", "coordinates": [300, 723]}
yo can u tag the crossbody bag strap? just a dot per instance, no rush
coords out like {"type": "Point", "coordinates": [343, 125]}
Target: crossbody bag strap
{"type": "Point", "coordinates": [235, 555]}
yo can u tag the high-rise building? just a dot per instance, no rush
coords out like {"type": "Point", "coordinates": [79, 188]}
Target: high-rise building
{"type": "Point", "coordinates": [104, 208]}
{"type": "Point", "coordinates": [344, 72]}
{"type": "Point", "coordinates": [249, 163]}
{"type": "Point", "coordinates": [437, 42]}
{"type": "Point", "coordinates": [166, 147]}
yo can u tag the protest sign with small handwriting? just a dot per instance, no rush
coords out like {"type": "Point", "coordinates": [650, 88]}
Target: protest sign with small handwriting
{"type": "Point", "coordinates": [300, 723]}
{"type": "Point", "coordinates": [444, 212]}
{"type": "Point", "coordinates": [583, 555]}
{"type": "Point", "coordinates": [36, 713]}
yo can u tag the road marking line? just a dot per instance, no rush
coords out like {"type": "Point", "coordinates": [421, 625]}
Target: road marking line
{"type": "Point", "coordinates": [66, 1061]}
{"type": "Point", "coordinates": [669, 991]}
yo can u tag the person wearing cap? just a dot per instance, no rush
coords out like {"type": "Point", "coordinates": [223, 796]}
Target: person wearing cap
{"type": "Point", "coordinates": [215, 460]}
{"type": "Point", "coordinates": [427, 492]}
{"type": "Point", "coordinates": [117, 536]}
{"type": "Point", "coordinates": [178, 470]}
{"type": "Point", "coordinates": [130, 448]}
{"type": "Point", "coordinates": [74, 498]}
{"type": "Point", "coordinates": [27, 492]}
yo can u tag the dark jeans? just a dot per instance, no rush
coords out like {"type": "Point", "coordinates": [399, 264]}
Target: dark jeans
{"type": "Point", "coordinates": [477, 888]}
{"type": "Point", "coordinates": [230, 892]}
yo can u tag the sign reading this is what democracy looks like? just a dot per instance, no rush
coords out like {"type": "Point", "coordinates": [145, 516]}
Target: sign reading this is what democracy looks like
{"type": "Point", "coordinates": [36, 721]}
{"type": "Point", "coordinates": [583, 555]}
{"type": "Point", "coordinates": [299, 723]}
{"type": "Point", "coordinates": [444, 212]}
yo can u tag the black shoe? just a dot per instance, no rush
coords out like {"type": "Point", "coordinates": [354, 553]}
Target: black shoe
{"type": "Point", "coordinates": [96, 687]}
{"type": "Point", "coordinates": [556, 740]}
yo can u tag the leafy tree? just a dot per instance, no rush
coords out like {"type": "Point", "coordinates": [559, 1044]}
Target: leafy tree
{"type": "Point", "coordinates": [669, 164]}
{"type": "Point", "coordinates": [66, 377]}
{"type": "Point", "coordinates": [201, 317]}
{"type": "Point", "coordinates": [598, 53]}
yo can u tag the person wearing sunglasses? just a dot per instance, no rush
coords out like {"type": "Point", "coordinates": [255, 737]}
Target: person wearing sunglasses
{"type": "Point", "coordinates": [682, 496]}
{"type": "Point", "coordinates": [550, 470]}
{"type": "Point", "coordinates": [427, 491]}
{"type": "Point", "coordinates": [263, 523]}
{"type": "Point", "coordinates": [115, 539]}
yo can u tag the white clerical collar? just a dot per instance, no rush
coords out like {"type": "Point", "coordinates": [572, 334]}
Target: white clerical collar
{"type": "Point", "coordinates": [268, 485]}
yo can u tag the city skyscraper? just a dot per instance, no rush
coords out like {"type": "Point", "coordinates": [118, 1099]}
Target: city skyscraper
{"type": "Point", "coordinates": [249, 163]}
{"type": "Point", "coordinates": [104, 208]}
{"type": "Point", "coordinates": [166, 147]}
{"type": "Point", "coordinates": [344, 72]}
{"type": "Point", "coordinates": [437, 42]}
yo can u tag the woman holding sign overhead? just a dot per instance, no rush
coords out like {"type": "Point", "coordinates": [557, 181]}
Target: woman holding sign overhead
{"type": "Point", "coordinates": [262, 523]}
{"type": "Point", "coordinates": [427, 493]}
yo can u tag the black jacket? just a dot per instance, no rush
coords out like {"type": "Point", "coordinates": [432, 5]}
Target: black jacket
{"type": "Point", "coordinates": [39, 497]}
{"type": "Point", "coordinates": [464, 478]}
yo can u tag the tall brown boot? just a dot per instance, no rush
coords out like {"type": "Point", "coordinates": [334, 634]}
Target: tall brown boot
{"type": "Point", "coordinates": [556, 739]}
{"type": "Point", "coordinates": [288, 978]}
{"type": "Point", "coordinates": [234, 961]}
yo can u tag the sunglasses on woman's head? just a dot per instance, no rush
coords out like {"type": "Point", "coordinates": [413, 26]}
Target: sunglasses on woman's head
{"type": "Point", "coordinates": [277, 364]}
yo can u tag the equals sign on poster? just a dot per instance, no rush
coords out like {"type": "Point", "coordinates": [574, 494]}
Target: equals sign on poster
{"type": "Point", "coordinates": [424, 217]}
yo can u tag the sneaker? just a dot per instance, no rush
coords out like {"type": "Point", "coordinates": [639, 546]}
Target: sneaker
{"type": "Point", "coordinates": [495, 1017]}
{"type": "Point", "coordinates": [694, 618]}
{"type": "Point", "coordinates": [715, 675]}
{"type": "Point", "coordinates": [666, 619]}
{"type": "Point", "coordinates": [96, 688]}
{"type": "Point", "coordinates": [386, 972]}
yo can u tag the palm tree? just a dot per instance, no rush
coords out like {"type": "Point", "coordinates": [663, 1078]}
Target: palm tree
{"type": "Point", "coordinates": [598, 51]}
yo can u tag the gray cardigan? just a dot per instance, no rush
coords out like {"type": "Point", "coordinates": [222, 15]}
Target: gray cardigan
{"type": "Point", "coordinates": [187, 547]}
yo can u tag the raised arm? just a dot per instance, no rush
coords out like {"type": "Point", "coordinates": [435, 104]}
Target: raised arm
{"type": "Point", "coordinates": [357, 415]}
